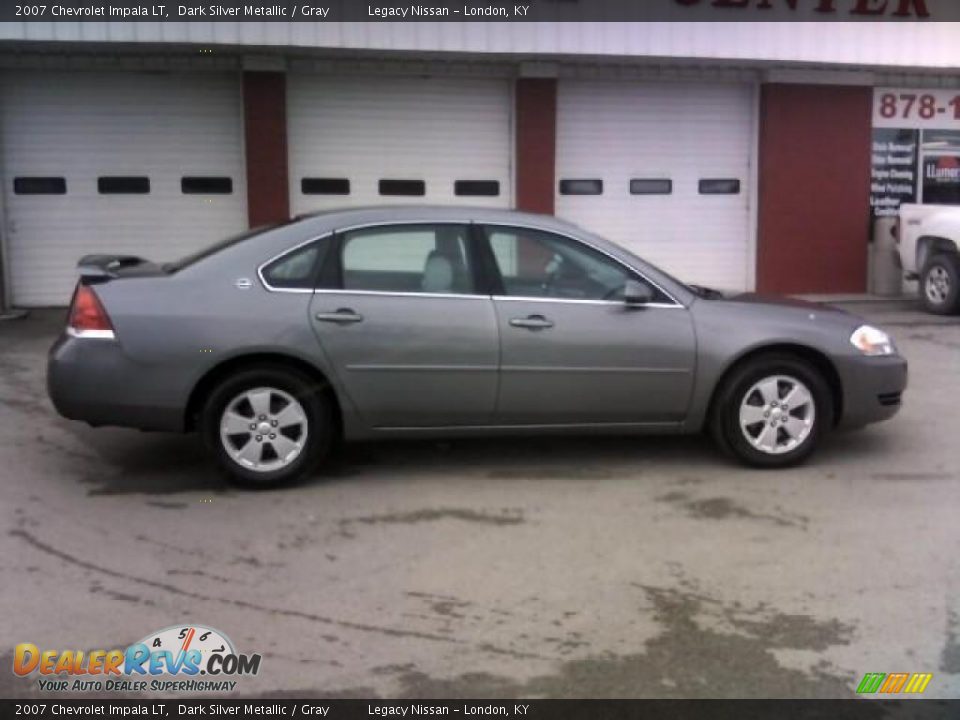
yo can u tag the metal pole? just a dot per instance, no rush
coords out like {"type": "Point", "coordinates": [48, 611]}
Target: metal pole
{"type": "Point", "coordinates": [6, 312]}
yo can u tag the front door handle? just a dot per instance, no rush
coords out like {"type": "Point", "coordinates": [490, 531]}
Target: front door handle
{"type": "Point", "coordinates": [343, 316]}
{"type": "Point", "coordinates": [532, 322]}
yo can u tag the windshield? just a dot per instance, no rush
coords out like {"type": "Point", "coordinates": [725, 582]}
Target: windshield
{"type": "Point", "coordinates": [177, 265]}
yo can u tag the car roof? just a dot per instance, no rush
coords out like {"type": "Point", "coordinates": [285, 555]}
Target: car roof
{"type": "Point", "coordinates": [345, 217]}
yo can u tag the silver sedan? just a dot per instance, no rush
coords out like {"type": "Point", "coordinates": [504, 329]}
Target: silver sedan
{"type": "Point", "coordinates": [427, 322]}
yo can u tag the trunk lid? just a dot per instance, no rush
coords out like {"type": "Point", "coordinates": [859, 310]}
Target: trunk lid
{"type": "Point", "coordinates": [103, 268]}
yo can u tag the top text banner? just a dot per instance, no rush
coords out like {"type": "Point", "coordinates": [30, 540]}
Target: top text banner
{"type": "Point", "coordinates": [474, 11]}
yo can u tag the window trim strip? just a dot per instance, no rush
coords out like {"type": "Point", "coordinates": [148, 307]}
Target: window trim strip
{"type": "Point", "coordinates": [337, 231]}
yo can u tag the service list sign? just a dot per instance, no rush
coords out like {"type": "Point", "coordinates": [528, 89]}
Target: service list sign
{"type": "Point", "coordinates": [893, 172]}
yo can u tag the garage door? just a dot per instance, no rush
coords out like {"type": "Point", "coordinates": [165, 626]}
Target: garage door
{"type": "Point", "coordinates": [394, 140]}
{"type": "Point", "coordinates": [663, 169]}
{"type": "Point", "coordinates": [142, 164]}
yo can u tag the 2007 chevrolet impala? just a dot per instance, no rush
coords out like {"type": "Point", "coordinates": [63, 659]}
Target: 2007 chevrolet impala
{"type": "Point", "coordinates": [425, 321]}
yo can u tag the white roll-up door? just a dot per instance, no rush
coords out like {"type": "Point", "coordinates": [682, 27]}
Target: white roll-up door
{"type": "Point", "coordinates": [112, 162]}
{"type": "Point", "coordinates": [396, 140]}
{"type": "Point", "coordinates": [674, 164]}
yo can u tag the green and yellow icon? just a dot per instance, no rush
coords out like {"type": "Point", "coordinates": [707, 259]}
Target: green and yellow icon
{"type": "Point", "coordinates": [894, 683]}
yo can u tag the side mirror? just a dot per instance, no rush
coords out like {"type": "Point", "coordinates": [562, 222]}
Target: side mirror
{"type": "Point", "coordinates": [637, 293]}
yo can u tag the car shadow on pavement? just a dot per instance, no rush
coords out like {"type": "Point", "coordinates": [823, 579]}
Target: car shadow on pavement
{"type": "Point", "coordinates": [128, 462]}
{"type": "Point", "coordinates": [151, 464]}
{"type": "Point", "coordinates": [147, 463]}
{"type": "Point", "coordinates": [541, 458]}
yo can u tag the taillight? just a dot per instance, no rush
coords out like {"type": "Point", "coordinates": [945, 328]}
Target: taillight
{"type": "Point", "coordinates": [87, 316]}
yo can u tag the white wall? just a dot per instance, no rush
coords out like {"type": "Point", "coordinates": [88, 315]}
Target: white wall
{"type": "Point", "coordinates": [856, 44]}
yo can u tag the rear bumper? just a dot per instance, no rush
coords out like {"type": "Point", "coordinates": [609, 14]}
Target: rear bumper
{"type": "Point", "coordinates": [872, 389]}
{"type": "Point", "coordinates": [92, 380]}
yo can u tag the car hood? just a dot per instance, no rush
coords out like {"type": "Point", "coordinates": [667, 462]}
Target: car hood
{"type": "Point", "coordinates": [785, 302]}
{"type": "Point", "coordinates": [781, 318]}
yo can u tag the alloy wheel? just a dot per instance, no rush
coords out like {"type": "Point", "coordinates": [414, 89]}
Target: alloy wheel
{"type": "Point", "coordinates": [777, 414]}
{"type": "Point", "coordinates": [937, 286]}
{"type": "Point", "coordinates": [263, 429]}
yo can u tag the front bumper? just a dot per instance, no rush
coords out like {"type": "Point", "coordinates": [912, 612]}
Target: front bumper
{"type": "Point", "coordinates": [872, 389]}
{"type": "Point", "coordinates": [93, 380]}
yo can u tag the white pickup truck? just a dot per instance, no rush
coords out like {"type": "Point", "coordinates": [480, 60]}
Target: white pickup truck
{"type": "Point", "coordinates": [928, 238]}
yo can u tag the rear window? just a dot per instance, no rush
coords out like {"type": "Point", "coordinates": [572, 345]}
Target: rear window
{"type": "Point", "coordinates": [206, 252]}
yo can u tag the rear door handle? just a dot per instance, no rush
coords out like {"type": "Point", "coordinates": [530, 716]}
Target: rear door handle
{"type": "Point", "coordinates": [532, 322]}
{"type": "Point", "coordinates": [343, 316]}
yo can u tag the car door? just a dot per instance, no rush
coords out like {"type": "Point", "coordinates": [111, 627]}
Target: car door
{"type": "Point", "coordinates": [572, 351]}
{"type": "Point", "coordinates": [411, 341]}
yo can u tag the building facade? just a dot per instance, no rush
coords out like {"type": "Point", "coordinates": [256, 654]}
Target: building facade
{"type": "Point", "coordinates": [739, 155]}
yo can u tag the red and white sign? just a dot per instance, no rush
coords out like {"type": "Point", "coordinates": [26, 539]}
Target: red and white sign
{"type": "Point", "coordinates": [916, 109]}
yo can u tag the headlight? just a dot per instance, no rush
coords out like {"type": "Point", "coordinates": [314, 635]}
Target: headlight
{"type": "Point", "coordinates": [872, 341]}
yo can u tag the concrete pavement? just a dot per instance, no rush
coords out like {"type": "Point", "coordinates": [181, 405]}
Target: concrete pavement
{"type": "Point", "coordinates": [523, 568]}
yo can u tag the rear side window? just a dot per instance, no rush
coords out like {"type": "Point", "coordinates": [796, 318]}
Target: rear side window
{"type": "Point", "coordinates": [297, 270]}
{"type": "Point", "coordinates": [431, 259]}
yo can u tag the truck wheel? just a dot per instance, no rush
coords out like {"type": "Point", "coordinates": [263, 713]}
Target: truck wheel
{"type": "Point", "coordinates": [267, 426]}
{"type": "Point", "coordinates": [772, 411]}
{"type": "Point", "coordinates": [940, 284]}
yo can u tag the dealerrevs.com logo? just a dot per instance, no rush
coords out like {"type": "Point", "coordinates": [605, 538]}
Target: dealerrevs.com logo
{"type": "Point", "coordinates": [180, 658]}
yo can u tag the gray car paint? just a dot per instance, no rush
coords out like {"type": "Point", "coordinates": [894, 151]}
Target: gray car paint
{"type": "Point", "coordinates": [415, 361]}
{"type": "Point", "coordinates": [602, 366]}
{"type": "Point", "coordinates": [602, 362]}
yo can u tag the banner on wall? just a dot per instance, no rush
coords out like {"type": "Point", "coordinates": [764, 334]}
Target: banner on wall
{"type": "Point", "coordinates": [941, 180]}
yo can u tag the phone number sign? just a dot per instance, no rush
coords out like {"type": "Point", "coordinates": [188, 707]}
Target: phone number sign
{"type": "Point", "coordinates": [916, 109]}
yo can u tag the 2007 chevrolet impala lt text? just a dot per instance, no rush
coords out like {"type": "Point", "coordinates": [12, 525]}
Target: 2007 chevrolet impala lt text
{"type": "Point", "coordinates": [430, 322]}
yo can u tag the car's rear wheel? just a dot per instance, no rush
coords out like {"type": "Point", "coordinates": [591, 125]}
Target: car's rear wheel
{"type": "Point", "coordinates": [940, 284]}
{"type": "Point", "coordinates": [267, 426]}
{"type": "Point", "coordinates": [772, 411]}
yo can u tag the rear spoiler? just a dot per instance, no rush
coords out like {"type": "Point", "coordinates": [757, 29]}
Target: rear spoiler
{"type": "Point", "coordinates": [105, 267]}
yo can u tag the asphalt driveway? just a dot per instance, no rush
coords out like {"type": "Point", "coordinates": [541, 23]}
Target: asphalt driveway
{"type": "Point", "coordinates": [525, 568]}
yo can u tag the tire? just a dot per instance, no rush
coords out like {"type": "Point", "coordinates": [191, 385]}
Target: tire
{"type": "Point", "coordinates": [748, 393]}
{"type": "Point", "coordinates": [267, 426]}
{"type": "Point", "coordinates": [940, 284]}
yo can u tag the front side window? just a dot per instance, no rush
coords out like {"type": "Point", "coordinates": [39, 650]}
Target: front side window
{"type": "Point", "coordinates": [408, 258]}
{"type": "Point", "coordinates": [533, 263]}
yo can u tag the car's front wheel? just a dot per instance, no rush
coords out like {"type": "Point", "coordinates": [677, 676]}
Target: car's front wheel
{"type": "Point", "coordinates": [267, 426]}
{"type": "Point", "coordinates": [940, 284]}
{"type": "Point", "coordinates": [772, 411]}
